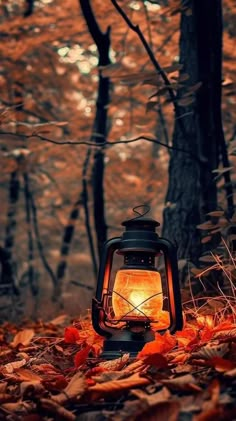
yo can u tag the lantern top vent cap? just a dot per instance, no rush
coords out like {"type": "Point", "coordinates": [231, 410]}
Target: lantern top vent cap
{"type": "Point", "coordinates": [141, 221]}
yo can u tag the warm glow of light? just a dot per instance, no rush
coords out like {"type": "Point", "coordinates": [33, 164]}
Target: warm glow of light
{"type": "Point", "coordinates": [137, 293]}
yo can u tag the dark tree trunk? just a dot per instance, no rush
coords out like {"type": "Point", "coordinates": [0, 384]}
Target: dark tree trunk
{"type": "Point", "coordinates": [8, 272]}
{"type": "Point", "coordinates": [69, 231]}
{"type": "Point", "coordinates": [31, 251]}
{"type": "Point", "coordinates": [192, 190]}
{"type": "Point", "coordinates": [29, 8]}
{"type": "Point", "coordinates": [102, 41]}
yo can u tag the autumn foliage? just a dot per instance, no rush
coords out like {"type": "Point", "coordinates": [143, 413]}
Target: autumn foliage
{"type": "Point", "coordinates": [55, 369]}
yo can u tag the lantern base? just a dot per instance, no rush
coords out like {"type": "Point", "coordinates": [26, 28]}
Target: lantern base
{"type": "Point", "coordinates": [126, 342]}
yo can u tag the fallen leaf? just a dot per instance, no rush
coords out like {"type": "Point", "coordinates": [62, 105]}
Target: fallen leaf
{"type": "Point", "coordinates": [221, 364]}
{"type": "Point", "coordinates": [206, 321]}
{"type": "Point", "coordinates": [33, 387]}
{"type": "Point", "coordinates": [211, 350]}
{"type": "Point", "coordinates": [156, 360]}
{"type": "Point", "coordinates": [154, 398]}
{"type": "Point", "coordinates": [184, 337]}
{"type": "Point", "coordinates": [161, 345]}
{"type": "Point", "coordinates": [19, 407]}
{"type": "Point", "coordinates": [24, 374]}
{"type": "Point", "coordinates": [135, 367]}
{"type": "Point", "coordinates": [107, 376]}
{"type": "Point", "coordinates": [115, 365]}
{"type": "Point", "coordinates": [220, 413]}
{"type": "Point", "coordinates": [23, 338]}
{"type": "Point", "coordinates": [10, 367]}
{"type": "Point", "coordinates": [75, 388]}
{"type": "Point", "coordinates": [59, 320]}
{"type": "Point", "coordinates": [71, 335]}
{"type": "Point", "coordinates": [5, 397]}
{"type": "Point", "coordinates": [231, 373]}
{"type": "Point", "coordinates": [182, 383]}
{"type": "Point", "coordinates": [118, 385]}
{"type": "Point", "coordinates": [55, 409]}
{"type": "Point", "coordinates": [81, 356]}
{"type": "Point", "coordinates": [168, 410]}
{"type": "Point", "coordinates": [3, 387]}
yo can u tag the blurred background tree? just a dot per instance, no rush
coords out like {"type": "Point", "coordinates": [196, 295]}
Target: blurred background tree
{"type": "Point", "coordinates": [90, 97]}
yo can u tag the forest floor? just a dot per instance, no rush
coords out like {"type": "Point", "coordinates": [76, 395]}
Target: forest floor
{"type": "Point", "coordinates": [52, 371]}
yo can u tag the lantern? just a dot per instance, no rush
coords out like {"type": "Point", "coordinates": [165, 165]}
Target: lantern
{"type": "Point", "coordinates": [135, 301]}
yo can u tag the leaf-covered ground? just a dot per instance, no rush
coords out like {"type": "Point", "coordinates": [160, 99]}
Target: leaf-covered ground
{"type": "Point", "coordinates": [52, 371]}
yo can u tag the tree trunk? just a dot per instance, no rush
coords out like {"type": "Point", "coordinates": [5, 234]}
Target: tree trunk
{"type": "Point", "coordinates": [102, 41]}
{"type": "Point", "coordinates": [192, 190]}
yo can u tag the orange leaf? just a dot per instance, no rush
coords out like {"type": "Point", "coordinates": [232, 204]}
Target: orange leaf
{"type": "Point", "coordinates": [24, 374]}
{"type": "Point", "coordinates": [186, 336]}
{"type": "Point", "coordinates": [23, 337]}
{"type": "Point", "coordinates": [71, 335]}
{"type": "Point", "coordinates": [205, 321]}
{"type": "Point", "coordinates": [81, 356]}
{"type": "Point", "coordinates": [161, 345]}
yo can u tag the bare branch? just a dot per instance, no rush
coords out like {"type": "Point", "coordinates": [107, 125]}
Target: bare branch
{"type": "Point", "coordinates": [110, 143]}
{"type": "Point", "coordinates": [154, 61]}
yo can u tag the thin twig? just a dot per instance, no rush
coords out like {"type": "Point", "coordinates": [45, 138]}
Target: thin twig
{"type": "Point", "coordinates": [108, 143]}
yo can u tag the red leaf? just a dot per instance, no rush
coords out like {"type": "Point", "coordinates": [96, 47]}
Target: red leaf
{"type": "Point", "coordinates": [221, 364]}
{"type": "Point", "coordinates": [81, 356]}
{"type": "Point", "coordinates": [71, 335]}
{"type": "Point", "coordinates": [157, 360]}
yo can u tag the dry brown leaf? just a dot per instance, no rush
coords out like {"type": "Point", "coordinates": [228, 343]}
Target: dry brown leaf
{"type": "Point", "coordinates": [108, 376]}
{"type": "Point", "coordinates": [59, 320]}
{"type": "Point", "coordinates": [20, 406]}
{"type": "Point", "coordinates": [130, 410]}
{"type": "Point", "coordinates": [23, 338]}
{"type": "Point", "coordinates": [33, 386]}
{"type": "Point", "coordinates": [161, 396]}
{"type": "Point", "coordinates": [3, 387]}
{"type": "Point", "coordinates": [5, 352]}
{"type": "Point", "coordinates": [231, 373]}
{"type": "Point", "coordinates": [211, 350]}
{"type": "Point", "coordinates": [168, 410]}
{"type": "Point", "coordinates": [24, 374]}
{"type": "Point", "coordinates": [119, 385]}
{"type": "Point", "coordinates": [182, 383]}
{"type": "Point", "coordinates": [115, 365]}
{"type": "Point", "coordinates": [135, 367]}
{"type": "Point", "coordinates": [23, 355]}
{"type": "Point", "coordinates": [75, 389]}
{"type": "Point", "coordinates": [216, 213]}
{"type": "Point", "coordinates": [219, 413]}
{"type": "Point", "coordinates": [5, 397]}
{"type": "Point", "coordinates": [10, 367]}
{"type": "Point", "coordinates": [57, 410]}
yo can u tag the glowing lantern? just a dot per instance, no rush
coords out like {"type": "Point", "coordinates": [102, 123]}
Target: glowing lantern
{"type": "Point", "coordinates": [134, 301]}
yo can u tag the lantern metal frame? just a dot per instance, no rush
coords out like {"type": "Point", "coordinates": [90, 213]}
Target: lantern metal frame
{"type": "Point", "coordinates": [139, 239]}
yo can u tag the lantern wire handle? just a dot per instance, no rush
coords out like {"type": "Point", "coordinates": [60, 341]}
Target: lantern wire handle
{"type": "Point", "coordinates": [146, 209]}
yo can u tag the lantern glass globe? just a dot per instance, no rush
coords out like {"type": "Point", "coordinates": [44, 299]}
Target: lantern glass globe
{"type": "Point", "coordinates": [137, 294]}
